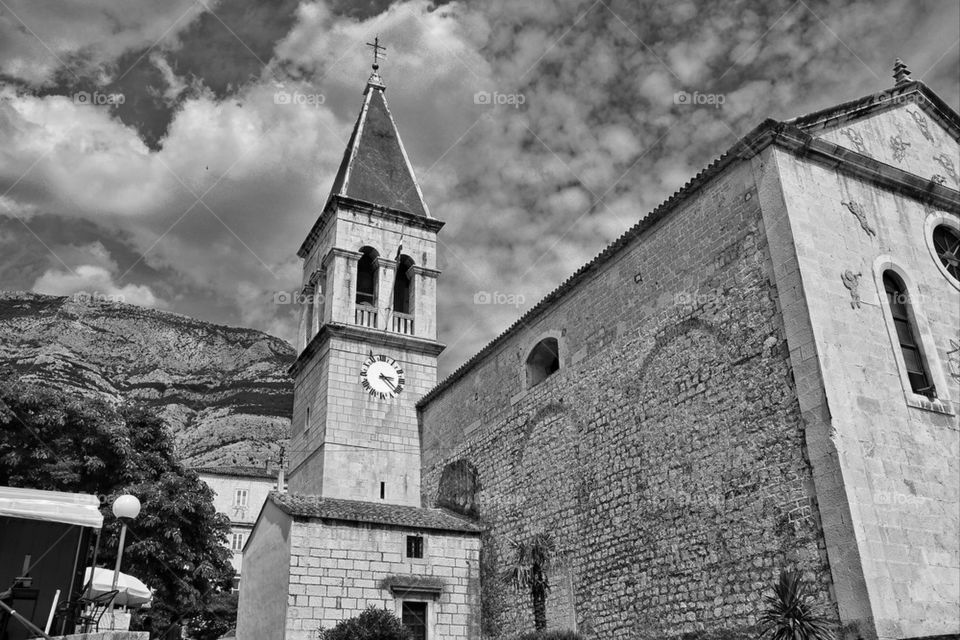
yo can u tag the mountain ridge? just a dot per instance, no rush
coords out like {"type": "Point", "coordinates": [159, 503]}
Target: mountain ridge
{"type": "Point", "coordinates": [224, 391]}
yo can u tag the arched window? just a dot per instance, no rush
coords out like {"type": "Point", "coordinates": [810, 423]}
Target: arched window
{"type": "Point", "coordinates": [907, 335]}
{"type": "Point", "coordinates": [367, 276]}
{"type": "Point", "coordinates": [543, 361]}
{"type": "Point", "coordinates": [403, 286]}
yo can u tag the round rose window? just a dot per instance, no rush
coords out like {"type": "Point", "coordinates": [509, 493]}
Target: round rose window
{"type": "Point", "coordinates": [946, 245]}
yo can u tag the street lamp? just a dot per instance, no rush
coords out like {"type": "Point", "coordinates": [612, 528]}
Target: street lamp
{"type": "Point", "coordinates": [125, 508]}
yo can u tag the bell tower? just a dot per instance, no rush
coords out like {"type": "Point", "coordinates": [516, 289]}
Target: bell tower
{"type": "Point", "coordinates": [368, 333]}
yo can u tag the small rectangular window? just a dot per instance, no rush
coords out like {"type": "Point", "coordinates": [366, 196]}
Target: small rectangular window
{"type": "Point", "coordinates": [414, 546]}
{"type": "Point", "coordinates": [383, 490]}
{"type": "Point", "coordinates": [414, 619]}
{"type": "Point", "coordinates": [240, 498]}
{"type": "Point", "coordinates": [236, 544]}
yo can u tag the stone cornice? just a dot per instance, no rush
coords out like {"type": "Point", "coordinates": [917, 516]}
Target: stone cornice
{"type": "Point", "coordinates": [337, 251]}
{"type": "Point", "coordinates": [426, 271]}
{"type": "Point", "coordinates": [359, 206]}
{"type": "Point", "coordinates": [368, 336]}
{"type": "Point", "coordinates": [863, 167]}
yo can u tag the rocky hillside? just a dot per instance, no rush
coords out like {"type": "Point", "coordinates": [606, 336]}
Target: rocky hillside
{"type": "Point", "coordinates": [223, 390]}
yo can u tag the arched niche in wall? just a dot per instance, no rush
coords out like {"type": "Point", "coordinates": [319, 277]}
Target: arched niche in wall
{"type": "Point", "coordinates": [459, 488]}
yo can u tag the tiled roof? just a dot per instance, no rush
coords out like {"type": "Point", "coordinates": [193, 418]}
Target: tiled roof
{"type": "Point", "coordinates": [237, 470]}
{"type": "Point", "coordinates": [373, 512]}
{"type": "Point", "coordinates": [375, 168]}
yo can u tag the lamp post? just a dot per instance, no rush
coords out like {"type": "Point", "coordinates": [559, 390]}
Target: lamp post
{"type": "Point", "coordinates": [125, 508]}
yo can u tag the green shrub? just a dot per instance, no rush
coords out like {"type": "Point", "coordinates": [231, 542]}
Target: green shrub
{"type": "Point", "coordinates": [372, 624]}
{"type": "Point", "coordinates": [790, 612]}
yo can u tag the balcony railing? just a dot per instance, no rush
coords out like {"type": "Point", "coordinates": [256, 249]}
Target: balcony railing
{"type": "Point", "coordinates": [402, 323]}
{"type": "Point", "coordinates": [366, 316]}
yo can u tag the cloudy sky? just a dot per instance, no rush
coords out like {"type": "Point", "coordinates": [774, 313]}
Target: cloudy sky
{"type": "Point", "coordinates": [193, 194]}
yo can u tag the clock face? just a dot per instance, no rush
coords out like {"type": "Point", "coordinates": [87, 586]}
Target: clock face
{"type": "Point", "coordinates": [382, 377]}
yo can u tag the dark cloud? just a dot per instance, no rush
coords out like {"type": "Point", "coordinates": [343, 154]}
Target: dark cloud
{"type": "Point", "coordinates": [529, 191]}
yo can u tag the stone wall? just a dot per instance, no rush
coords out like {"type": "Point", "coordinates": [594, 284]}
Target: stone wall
{"type": "Point", "coordinates": [337, 570]}
{"type": "Point", "coordinates": [886, 461]}
{"type": "Point", "coordinates": [262, 608]}
{"type": "Point", "coordinates": [360, 441]}
{"type": "Point", "coordinates": [666, 456]}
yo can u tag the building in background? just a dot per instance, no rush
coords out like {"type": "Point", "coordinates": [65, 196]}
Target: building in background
{"type": "Point", "coordinates": [239, 494]}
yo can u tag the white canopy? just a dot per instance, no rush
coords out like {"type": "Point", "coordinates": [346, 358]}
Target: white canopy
{"type": "Point", "coordinates": [51, 506]}
{"type": "Point", "coordinates": [132, 592]}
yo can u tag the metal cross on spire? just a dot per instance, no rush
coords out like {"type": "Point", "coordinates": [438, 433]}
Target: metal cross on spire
{"type": "Point", "coordinates": [379, 53]}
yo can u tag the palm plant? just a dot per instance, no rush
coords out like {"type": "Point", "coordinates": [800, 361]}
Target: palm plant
{"type": "Point", "coordinates": [790, 615]}
{"type": "Point", "coordinates": [531, 562]}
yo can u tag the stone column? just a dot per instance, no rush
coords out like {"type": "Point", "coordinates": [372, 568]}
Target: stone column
{"type": "Point", "coordinates": [424, 304]}
{"type": "Point", "coordinates": [340, 265]}
{"type": "Point", "coordinates": [302, 328]}
{"type": "Point", "coordinates": [318, 291]}
{"type": "Point", "coordinates": [387, 273]}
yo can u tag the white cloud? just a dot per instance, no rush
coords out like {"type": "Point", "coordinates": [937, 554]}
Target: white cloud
{"type": "Point", "coordinates": [94, 283]}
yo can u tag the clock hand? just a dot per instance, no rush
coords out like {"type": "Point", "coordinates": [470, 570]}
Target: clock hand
{"type": "Point", "coordinates": [389, 381]}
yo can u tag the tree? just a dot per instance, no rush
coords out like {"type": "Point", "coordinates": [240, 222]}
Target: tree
{"type": "Point", "coordinates": [790, 615]}
{"type": "Point", "coordinates": [217, 618]}
{"type": "Point", "coordinates": [531, 563]}
{"type": "Point", "coordinates": [177, 543]}
{"type": "Point", "coordinates": [372, 624]}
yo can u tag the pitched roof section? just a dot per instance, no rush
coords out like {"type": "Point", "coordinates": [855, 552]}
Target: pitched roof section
{"type": "Point", "coordinates": [375, 167]}
{"type": "Point", "coordinates": [911, 92]}
{"type": "Point", "coordinates": [796, 135]}
{"type": "Point", "coordinates": [372, 512]}
{"type": "Point", "coordinates": [239, 471]}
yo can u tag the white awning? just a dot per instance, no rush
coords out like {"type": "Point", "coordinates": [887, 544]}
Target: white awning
{"type": "Point", "coordinates": [51, 506]}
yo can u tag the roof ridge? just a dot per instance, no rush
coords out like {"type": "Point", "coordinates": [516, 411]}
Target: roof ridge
{"type": "Point", "coordinates": [746, 146]}
{"type": "Point", "coordinates": [398, 515]}
{"type": "Point", "coordinates": [878, 101]}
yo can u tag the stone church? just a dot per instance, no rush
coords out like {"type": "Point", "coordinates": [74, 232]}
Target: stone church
{"type": "Point", "coordinates": [762, 373]}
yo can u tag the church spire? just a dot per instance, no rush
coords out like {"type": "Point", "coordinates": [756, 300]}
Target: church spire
{"type": "Point", "coordinates": [375, 168]}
